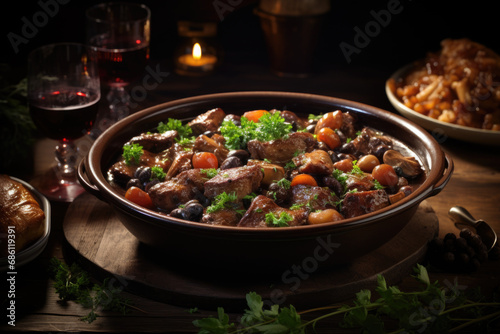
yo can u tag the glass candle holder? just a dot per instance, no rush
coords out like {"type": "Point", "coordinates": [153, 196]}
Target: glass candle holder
{"type": "Point", "coordinates": [197, 53]}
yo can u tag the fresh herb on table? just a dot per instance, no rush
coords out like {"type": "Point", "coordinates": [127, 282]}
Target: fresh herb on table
{"type": "Point", "coordinates": [72, 283]}
{"type": "Point", "coordinates": [433, 309]}
{"type": "Point", "coordinates": [17, 130]}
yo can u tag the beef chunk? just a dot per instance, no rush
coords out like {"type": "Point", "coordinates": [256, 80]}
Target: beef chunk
{"type": "Point", "coordinates": [155, 142]}
{"type": "Point", "coordinates": [208, 121]}
{"type": "Point", "coordinates": [239, 180]}
{"type": "Point", "coordinates": [359, 182]}
{"type": "Point", "coordinates": [362, 202]}
{"type": "Point", "coordinates": [195, 177]}
{"type": "Point", "coordinates": [314, 198]}
{"type": "Point", "coordinates": [168, 195]}
{"type": "Point", "coordinates": [368, 142]}
{"type": "Point", "coordinates": [225, 217]}
{"type": "Point", "coordinates": [182, 162]}
{"type": "Point", "coordinates": [256, 213]}
{"type": "Point", "coordinates": [281, 151]}
{"type": "Point", "coordinates": [347, 127]}
{"type": "Point", "coordinates": [122, 172]}
{"type": "Point", "coordinates": [315, 162]}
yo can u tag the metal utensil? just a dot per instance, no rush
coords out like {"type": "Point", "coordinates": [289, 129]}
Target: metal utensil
{"type": "Point", "coordinates": [462, 216]}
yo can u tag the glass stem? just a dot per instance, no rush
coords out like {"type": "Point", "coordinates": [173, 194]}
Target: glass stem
{"type": "Point", "coordinates": [66, 157]}
{"type": "Point", "coordinates": [119, 101]}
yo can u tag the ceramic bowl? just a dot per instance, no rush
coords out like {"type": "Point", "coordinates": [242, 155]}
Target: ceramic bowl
{"type": "Point", "coordinates": [204, 245]}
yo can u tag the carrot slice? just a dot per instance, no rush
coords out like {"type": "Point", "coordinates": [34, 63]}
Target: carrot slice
{"type": "Point", "coordinates": [305, 179]}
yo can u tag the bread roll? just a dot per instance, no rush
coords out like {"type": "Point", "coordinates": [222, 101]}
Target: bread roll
{"type": "Point", "coordinates": [20, 210]}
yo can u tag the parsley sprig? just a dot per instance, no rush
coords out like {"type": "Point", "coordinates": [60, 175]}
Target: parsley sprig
{"type": "Point", "coordinates": [413, 312]}
{"type": "Point", "coordinates": [270, 126]}
{"type": "Point", "coordinates": [278, 221]}
{"type": "Point", "coordinates": [73, 283]}
{"type": "Point", "coordinates": [132, 153]}
{"type": "Point", "coordinates": [222, 201]}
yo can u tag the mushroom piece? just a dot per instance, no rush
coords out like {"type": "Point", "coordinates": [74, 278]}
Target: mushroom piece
{"type": "Point", "coordinates": [407, 167]}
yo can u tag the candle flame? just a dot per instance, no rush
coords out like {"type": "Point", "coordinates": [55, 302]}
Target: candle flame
{"type": "Point", "coordinates": [197, 51]}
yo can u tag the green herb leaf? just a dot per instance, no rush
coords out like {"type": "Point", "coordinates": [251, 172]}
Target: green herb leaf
{"type": "Point", "coordinates": [222, 201]}
{"type": "Point", "coordinates": [158, 173]}
{"type": "Point", "coordinates": [271, 127]}
{"type": "Point", "coordinates": [132, 153]}
{"type": "Point", "coordinates": [284, 183]}
{"type": "Point", "coordinates": [73, 283]}
{"type": "Point", "coordinates": [209, 172]}
{"type": "Point", "coordinates": [183, 131]}
{"type": "Point", "coordinates": [281, 221]}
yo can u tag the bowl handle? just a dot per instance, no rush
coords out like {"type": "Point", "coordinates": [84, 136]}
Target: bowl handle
{"type": "Point", "coordinates": [449, 166]}
{"type": "Point", "coordinates": [84, 181]}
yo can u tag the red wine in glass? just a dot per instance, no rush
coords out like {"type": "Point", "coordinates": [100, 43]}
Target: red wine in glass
{"type": "Point", "coordinates": [63, 94]}
{"type": "Point", "coordinates": [120, 33]}
{"type": "Point", "coordinates": [64, 114]}
{"type": "Point", "coordinates": [121, 62]}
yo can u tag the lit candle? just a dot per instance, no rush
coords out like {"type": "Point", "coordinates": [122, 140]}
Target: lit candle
{"type": "Point", "coordinates": [196, 61]}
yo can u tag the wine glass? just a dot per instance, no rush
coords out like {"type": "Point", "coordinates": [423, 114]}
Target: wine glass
{"type": "Point", "coordinates": [120, 33]}
{"type": "Point", "coordinates": [63, 95]}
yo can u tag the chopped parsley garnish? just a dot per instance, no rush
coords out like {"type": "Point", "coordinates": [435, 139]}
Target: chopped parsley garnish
{"type": "Point", "coordinates": [340, 176]}
{"type": "Point", "coordinates": [209, 172]}
{"type": "Point", "coordinates": [269, 127]}
{"type": "Point", "coordinates": [377, 185]}
{"type": "Point", "coordinates": [281, 221]}
{"type": "Point", "coordinates": [284, 183]}
{"type": "Point", "coordinates": [184, 132]}
{"type": "Point", "coordinates": [314, 117]}
{"type": "Point", "coordinates": [355, 169]}
{"type": "Point", "coordinates": [157, 173]}
{"type": "Point", "coordinates": [237, 136]}
{"type": "Point", "coordinates": [175, 124]}
{"type": "Point", "coordinates": [132, 153]}
{"type": "Point", "coordinates": [222, 201]}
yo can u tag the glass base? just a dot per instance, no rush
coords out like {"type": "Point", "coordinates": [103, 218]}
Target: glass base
{"type": "Point", "coordinates": [56, 188]}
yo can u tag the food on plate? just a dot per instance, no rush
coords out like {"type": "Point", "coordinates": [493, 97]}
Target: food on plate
{"type": "Point", "coordinates": [272, 169]}
{"type": "Point", "coordinates": [460, 84]}
{"type": "Point", "coordinates": [22, 220]}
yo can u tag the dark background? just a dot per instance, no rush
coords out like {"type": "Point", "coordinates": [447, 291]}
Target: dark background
{"type": "Point", "coordinates": [419, 28]}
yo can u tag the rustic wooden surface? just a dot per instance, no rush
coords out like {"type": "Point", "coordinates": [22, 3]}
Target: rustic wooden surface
{"type": "Point", "coordinates": [97, 239]}
{"type": "Point", "coordinates": [475, 185]}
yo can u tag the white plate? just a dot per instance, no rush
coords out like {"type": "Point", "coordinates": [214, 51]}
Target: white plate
{"type": "Point", "coordinates": [30, 253]}
{"type": "Point", "coordinates": [440, 130]}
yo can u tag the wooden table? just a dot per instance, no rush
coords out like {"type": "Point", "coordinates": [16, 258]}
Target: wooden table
{"type": "Point", "coordinates": [475, 185]}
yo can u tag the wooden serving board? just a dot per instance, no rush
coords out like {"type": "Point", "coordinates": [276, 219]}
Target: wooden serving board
{"type": "Point", "coordinates": [96, 239]}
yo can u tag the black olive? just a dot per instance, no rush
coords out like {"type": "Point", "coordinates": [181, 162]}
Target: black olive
{"type": "Point", "coordinates": [179, 213]}
{"type": "Point", "coordinates": [334, 185]}
{"type": "Point", "coordinates": [311, 128]}
{"type": "Point", "coordinates": [145, 175]}
{"type": "Point", "coordinates": [194, 211]}
{"type": "Point", "coordinates": [138, 171]}
{"type": "Point", "coordinates": [209, 133]}
{"type": "Point", "coordinates": [240, 154]}
{"type": "Point", "coordinates": [231, 162]}
{"type": "Point", "coordinates": [134, 183]}
{"type": "Point", "coordinates": [279, 194]}
{"type": "Point", "coordinates": [348, 148]}
{"type": "Point", "coordinates": [202, 199]}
